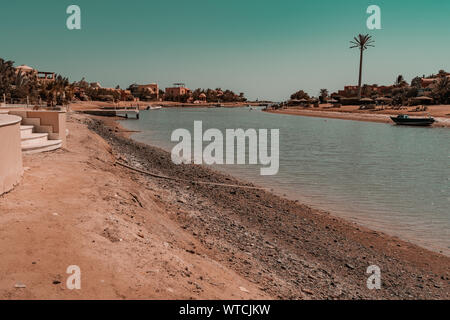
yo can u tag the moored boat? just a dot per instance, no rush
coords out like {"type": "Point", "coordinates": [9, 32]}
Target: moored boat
{"type": "Point", "coordinates": [404, 119]}
{"type": "Point", "coordinates": [154, 107]}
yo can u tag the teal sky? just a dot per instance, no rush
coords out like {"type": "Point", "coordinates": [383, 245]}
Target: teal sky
{"type": "Point", "coordinates": [267, 49]}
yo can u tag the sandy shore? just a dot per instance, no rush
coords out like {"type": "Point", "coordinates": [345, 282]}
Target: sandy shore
{"type": "Point", "coordinates": [138, 236]}
{"type": "Point", "coordinates": [440, 113]}
{"type": "Point", "coordinates": [90, 105]}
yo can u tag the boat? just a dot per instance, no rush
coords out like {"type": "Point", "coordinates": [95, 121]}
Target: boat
{"type": "Point", "coordinates": [404, 119]}
{"type": "Point", "coordinates": [154, 107]}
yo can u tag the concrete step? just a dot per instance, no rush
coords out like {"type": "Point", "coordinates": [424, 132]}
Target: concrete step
{"type": "Point", "coordinates": [25, 130]}
{"type": "Point", "coordinates": [31, 121]}
{"type": "Point", "coordinates": [43, 129]}
{"type": "Point", "coordinates": [33, 138]}
{"type": "Point", "coordinates": [36, 147]}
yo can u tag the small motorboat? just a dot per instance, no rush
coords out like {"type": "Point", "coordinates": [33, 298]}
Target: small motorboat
{"type": "Point", "coordinates": [154, 107]}
{"type": "Point", "coordinates": [406, 120]}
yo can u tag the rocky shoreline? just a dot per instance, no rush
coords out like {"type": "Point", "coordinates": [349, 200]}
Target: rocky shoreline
{"type": "Point", "coordinates": [288, 250]}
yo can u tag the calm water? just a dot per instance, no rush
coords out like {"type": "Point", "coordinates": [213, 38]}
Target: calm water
{"type": "Point", "coordinates": [390, 178]}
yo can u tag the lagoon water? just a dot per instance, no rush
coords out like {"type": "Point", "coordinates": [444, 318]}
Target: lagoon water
{"type": "Point", "coordinates": [390, 178]}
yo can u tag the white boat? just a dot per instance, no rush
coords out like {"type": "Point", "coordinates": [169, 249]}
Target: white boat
{"type": "Point", "coordinates": [154, 107]}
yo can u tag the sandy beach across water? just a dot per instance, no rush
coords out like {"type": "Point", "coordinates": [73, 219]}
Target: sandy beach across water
{"type": "Point", "coordinates": [440, 113]}
{"type": "Point", "coordinates": [136, 236]}
{"type": "Point", "coordinates": [142, 105]}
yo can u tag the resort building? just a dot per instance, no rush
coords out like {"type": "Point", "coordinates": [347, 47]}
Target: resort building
{"type": "Point", "coordinates": [352, 91]}
{"type": "Point", "coordinates": [429, 82]}
{"type": "Point", "coordinates": [42, 76]}
{"type": "Point", "coordinates": [202, 97]}
{"type": "Point", "coordinates": [177, 90]}
{"type": "Point", "coordinates": [349, 91]}
{"type": "Point", "coordinates": [151, 88]}
{"type": "Point", "coordinates": [24, 69]}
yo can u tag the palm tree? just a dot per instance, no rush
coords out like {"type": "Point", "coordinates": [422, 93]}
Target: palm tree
{"type": "Point", "coordinates": [323, 95]}
{"type": "Point", "coordinates": [55, 91]}
{"type": "Point", "coordinates": [416, 82]}
{"type": "Point", "coordinates": [400, 81]}
{"type": "Point", "coordinates": [7, 75]}
{"type": "Point", "coordinates": [441, 90]}
{"type": "Point", "coordinates": [362, 42]}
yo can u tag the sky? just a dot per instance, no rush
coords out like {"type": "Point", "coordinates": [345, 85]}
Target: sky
{"type": "Point", "coordinates": [266, 49]}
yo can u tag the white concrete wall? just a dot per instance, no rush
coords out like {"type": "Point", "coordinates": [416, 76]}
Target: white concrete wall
{"type": "Point", "coordinates": [11, 168]}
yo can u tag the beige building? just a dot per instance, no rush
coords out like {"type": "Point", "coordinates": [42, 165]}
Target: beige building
{"type": "Point", "coordinates": [24, 69]}
{"type": "Point", "coordinates": [42, 76]}
{"type": "Point", "coordinates": [151, 88]}
{"type": "Point", "coordinates": [46, 76]}
{"type": "Point", "coordinates": [178, 90]}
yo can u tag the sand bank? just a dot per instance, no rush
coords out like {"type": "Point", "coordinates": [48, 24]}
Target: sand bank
{"type": "Point", "coordinates": [440, 113]}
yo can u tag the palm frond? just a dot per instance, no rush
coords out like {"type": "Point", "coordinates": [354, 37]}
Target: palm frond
{"type": "Point", "coordinates": [362, 42]}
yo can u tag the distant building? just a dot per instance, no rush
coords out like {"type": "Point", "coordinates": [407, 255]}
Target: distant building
{"type": "Point", "coordinates": [349, 91]}
{"type": "Point", "coordinates": [178, 90]}
{"type": "Point", "coordinates": [151, 88]}
{"type": "Point", "coordinates": [95, 85]}
{"type": "Point", "coordinates": [46, 76]}
{"type": "Point", "coordinates": [352, 91]}
{"type": "Point", "coordinates": [202, 97]}
{"type": "Point", "coordinates": [429, 82]}
{"type": "Point", "coordinates": [41, 75]}
{"type": "Point", "coordinates": [24, 69]}
{"type": "Point", "coordinates": [425, 83]}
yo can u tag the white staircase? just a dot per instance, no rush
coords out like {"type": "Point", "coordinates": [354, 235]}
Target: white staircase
{"type": "Point", "coordinates": [33, 141]}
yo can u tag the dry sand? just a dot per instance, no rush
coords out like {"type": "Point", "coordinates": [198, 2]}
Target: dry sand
{"type": "Point", "coordinates": [74, 207]}
{"type": "Point", "coordinates": [141, 237]}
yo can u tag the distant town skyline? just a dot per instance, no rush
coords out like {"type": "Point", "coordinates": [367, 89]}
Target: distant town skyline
{"type": "Point", "coordinates": [267, 50]}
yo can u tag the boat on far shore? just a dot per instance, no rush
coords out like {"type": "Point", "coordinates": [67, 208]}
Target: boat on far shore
{"type": "Point", "coordinates": [406, 120]}
{"type": "Point", "coordinates": [154, 107]}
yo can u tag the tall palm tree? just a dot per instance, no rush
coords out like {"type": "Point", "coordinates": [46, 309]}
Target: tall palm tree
{"type": "Point", "coordinates": [362, 42]}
